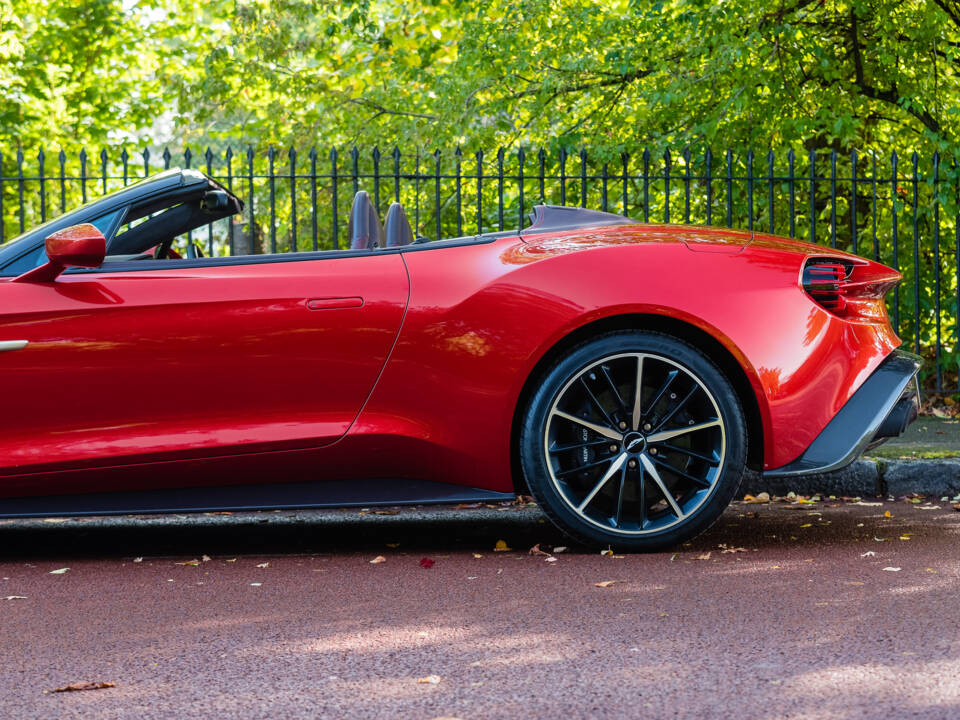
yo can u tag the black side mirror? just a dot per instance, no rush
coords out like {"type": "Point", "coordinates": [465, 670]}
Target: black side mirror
{"type": "Point", "coordinates": [215, 201]}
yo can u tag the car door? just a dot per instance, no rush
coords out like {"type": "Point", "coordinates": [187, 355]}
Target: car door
{"type": "Point", "coordinates": [186, 359]}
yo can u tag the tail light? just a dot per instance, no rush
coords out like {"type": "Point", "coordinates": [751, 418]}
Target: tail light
{"type": "Point", "coordinates": [853, 289]}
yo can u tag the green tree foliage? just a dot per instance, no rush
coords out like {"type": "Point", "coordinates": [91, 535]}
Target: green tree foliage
{"type": "Point", "coordinates": [612, 74]}
{"type": "Point", "coordinates": [868, 73]}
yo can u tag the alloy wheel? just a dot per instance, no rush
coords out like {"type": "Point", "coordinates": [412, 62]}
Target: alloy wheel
{"type": "Point", "coordinates": [634, 443]}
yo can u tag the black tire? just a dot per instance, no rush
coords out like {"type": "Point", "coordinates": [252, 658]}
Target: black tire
{"type": "Point", "coordinates": [598, 464]}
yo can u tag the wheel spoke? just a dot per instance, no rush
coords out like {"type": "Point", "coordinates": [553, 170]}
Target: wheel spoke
{"type": "Point", "coordinates": [596, 402]}
{"type": "Point", "coordinates": [688, 453]}
{"type": "Point", "coordinates": [665, 435]}
{"type": "Point", "coordinates": [578, 446]}
{"type": "Point", "coordinates": [581, 468]}
{"type": "Point", "coordinates": [611, 471]}
{"type": "Point", "coordinates": [623, 482]}
{"type": "Point", "coordinates": [677, 407]}
{"type": "Point", "coordinates": [638, 395]}
{"type": "Point", "coordinates": [642, 495]}
{"type": "Point", "coordinates": [648, 466]}
{"type": "Point", "coordinates": [671, 376]}
{"type": "Point", "coordinates": [599, 429]}
{"type": "Point", "coordinates": [622, 406]}
{"type": "Point", "coordinates": [686, 476]}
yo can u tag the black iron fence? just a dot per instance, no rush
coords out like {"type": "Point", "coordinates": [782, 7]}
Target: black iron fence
{"type": "Point", "coordinates": [902, 211]}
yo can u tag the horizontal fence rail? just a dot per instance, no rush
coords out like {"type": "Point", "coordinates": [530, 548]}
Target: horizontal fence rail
{"type": "Point", "coordinates": [902, 211]}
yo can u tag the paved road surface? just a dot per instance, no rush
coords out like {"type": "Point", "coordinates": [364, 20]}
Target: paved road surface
{"type": "Point", "coordinates": [806, 622]}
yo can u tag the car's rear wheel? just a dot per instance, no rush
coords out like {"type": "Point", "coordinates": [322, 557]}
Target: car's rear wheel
{"type": "Point", "coordinates": [635, 440]}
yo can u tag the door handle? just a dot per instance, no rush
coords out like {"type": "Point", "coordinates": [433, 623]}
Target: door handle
{"type": "Point", "coordinates": [334, 303]}
{"type": "Point", "coordinates": [8, 345]}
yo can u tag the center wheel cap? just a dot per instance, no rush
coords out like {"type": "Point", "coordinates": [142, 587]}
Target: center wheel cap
{"type": "Point", "coordinates": [634, 442]}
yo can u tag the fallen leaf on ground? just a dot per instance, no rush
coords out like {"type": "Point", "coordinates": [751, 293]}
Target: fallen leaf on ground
{"type": "Point", "coordinates": [892, 569]}
{"type": "Point", "coordinates": [501, 546]}
{"type": "Point", "coordinates": [61, 571]}
{"type": "Point", "coordinates": [393, 545]}
{"type": "Point", "coordinates": [429, 680]}
{"type": "Point", "coordinates": [887, 514]}
{"type": "Point", "coordinates": [705, 556]}
{"type": "Point", "coordinates": [551, 559]}
{"type": "Point", "coordinates": [868, 553]}
{"type": "Point", "coordinates": [904, 537]}
{"type": "Point", "coordinates": [477, 555]}
{"type": "Point", "coordinates": [806, 525]}
{"type": "Point", "coordinates": [263, 565]}
{"type": "Point", "coordinates": [231, 560]}
{"type": "Point", "coordinates": [15, 597]}
{"type": "Point", "coordinates": [138, 559]}
{"type": "Point", "coordinates": [956, 506]}
{"type": "Point", "coordinates": [607, 553]}
{"type": "Point", "coordinates": [76, 687]}
{"type": "Point", "coordinates": [191, 563]}
{"type": "Point", "coordinates": [731, 549]}
{"type": "Point", "coordinates": [255, 584]}
{"type": "Point", "coordinates": [604, 584]}
{"type": "Point", "coordinates": [205, 558]}
{"type": "Point", "coordinates": [758, 498]}
{"type": "Point", "coordinates": [386, 512]}
{"type": "Point", "coordinates": [535, 550]}
{"type": "Point", "coordinates": [560, 548]}
{"type": "Point", "coordinates": [378, 559]}
{"type": "Point", "coordinates": [426, 564]}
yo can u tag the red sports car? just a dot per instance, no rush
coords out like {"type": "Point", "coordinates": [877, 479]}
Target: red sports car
{"type": "Point", "coordinates": [623, 374]}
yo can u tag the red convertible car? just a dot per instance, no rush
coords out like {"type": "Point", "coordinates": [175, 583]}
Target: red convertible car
{"type": "Point", "coordinates": [623, 374]}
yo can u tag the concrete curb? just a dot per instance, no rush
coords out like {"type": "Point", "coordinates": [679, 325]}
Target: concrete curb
{"type": "Point", "coordinates": [867, 477]}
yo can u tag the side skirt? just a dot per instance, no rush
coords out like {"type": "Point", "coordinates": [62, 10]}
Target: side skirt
{"type": "Point", "coordinates": [267, 496]}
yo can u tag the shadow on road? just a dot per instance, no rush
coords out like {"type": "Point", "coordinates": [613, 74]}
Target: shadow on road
{"type": "Point", "coordinates": [429, 529]}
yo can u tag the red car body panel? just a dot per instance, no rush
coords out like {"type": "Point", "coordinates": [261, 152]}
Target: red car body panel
{"type": "Point", "coordinates": [224, 375]}
{"type": "Point", "coordinates": [135, 367]}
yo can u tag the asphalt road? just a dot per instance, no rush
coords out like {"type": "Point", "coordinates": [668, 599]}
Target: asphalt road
{"type": "Point", "coordinates": [289, 618]}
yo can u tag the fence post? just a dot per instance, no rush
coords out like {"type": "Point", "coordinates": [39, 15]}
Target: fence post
{"type": "Point", "coordinates": [853, 200]}
{"type": "Point", "coordinates": [313, 199]}
{"type": "Point", "coordinates": [436, 192]}
{"type": "Point", "coordinates": [563, 176]}
{"type": "Point", "coordinates": [334, 230]}
{"type": "Point", "coordinates": [20, 182]}
{"type": "Point", "coordinates": [458, 154]}
{"type": "Point", "coordinates": [208, 157]}
{"type": "Point", "coordinates": [729, 188]}
{"type": "Point", "coordinates": [708, 167]}
{"type": "Point", "coordinates": [521, 159]}
{"type": "Point", "coordinates": [686, 185]}
{"type": "Point", "coordinates": [292, 155]}
{"type": "Point", "coordinates": [936, 261]}
{"type": "Point", "coordinates": [666, 186]}
{"type": "Point", "coordinates": [813, 196]}
{"type": "Point", "coordinates": [41, 157]}
{"type": "Point", "coordinates": [894, 194]}
{"type": "Point", "coordinates": [791, 157]}
{"type": "Point", "coordinates": [375, 155]}
{"type": "Point", "coordinates": [646, 185]}
{"type": "Point", "coordinates": [500, 189]}
{"type": "Point", "coordinates": [231, 242]}
{"type": "Point", "coordinates": [479, 157]}
{"type": "Point", "coordinates": [916, 255]}
{"type": "Point", "coordinates": [625, 159]}
{"type": "Point", "coordinates": [770, 160]}
{"type": "Point", "coordinates": [583, 177]}
{"type": "Point", "coordinates": [750, 189]}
